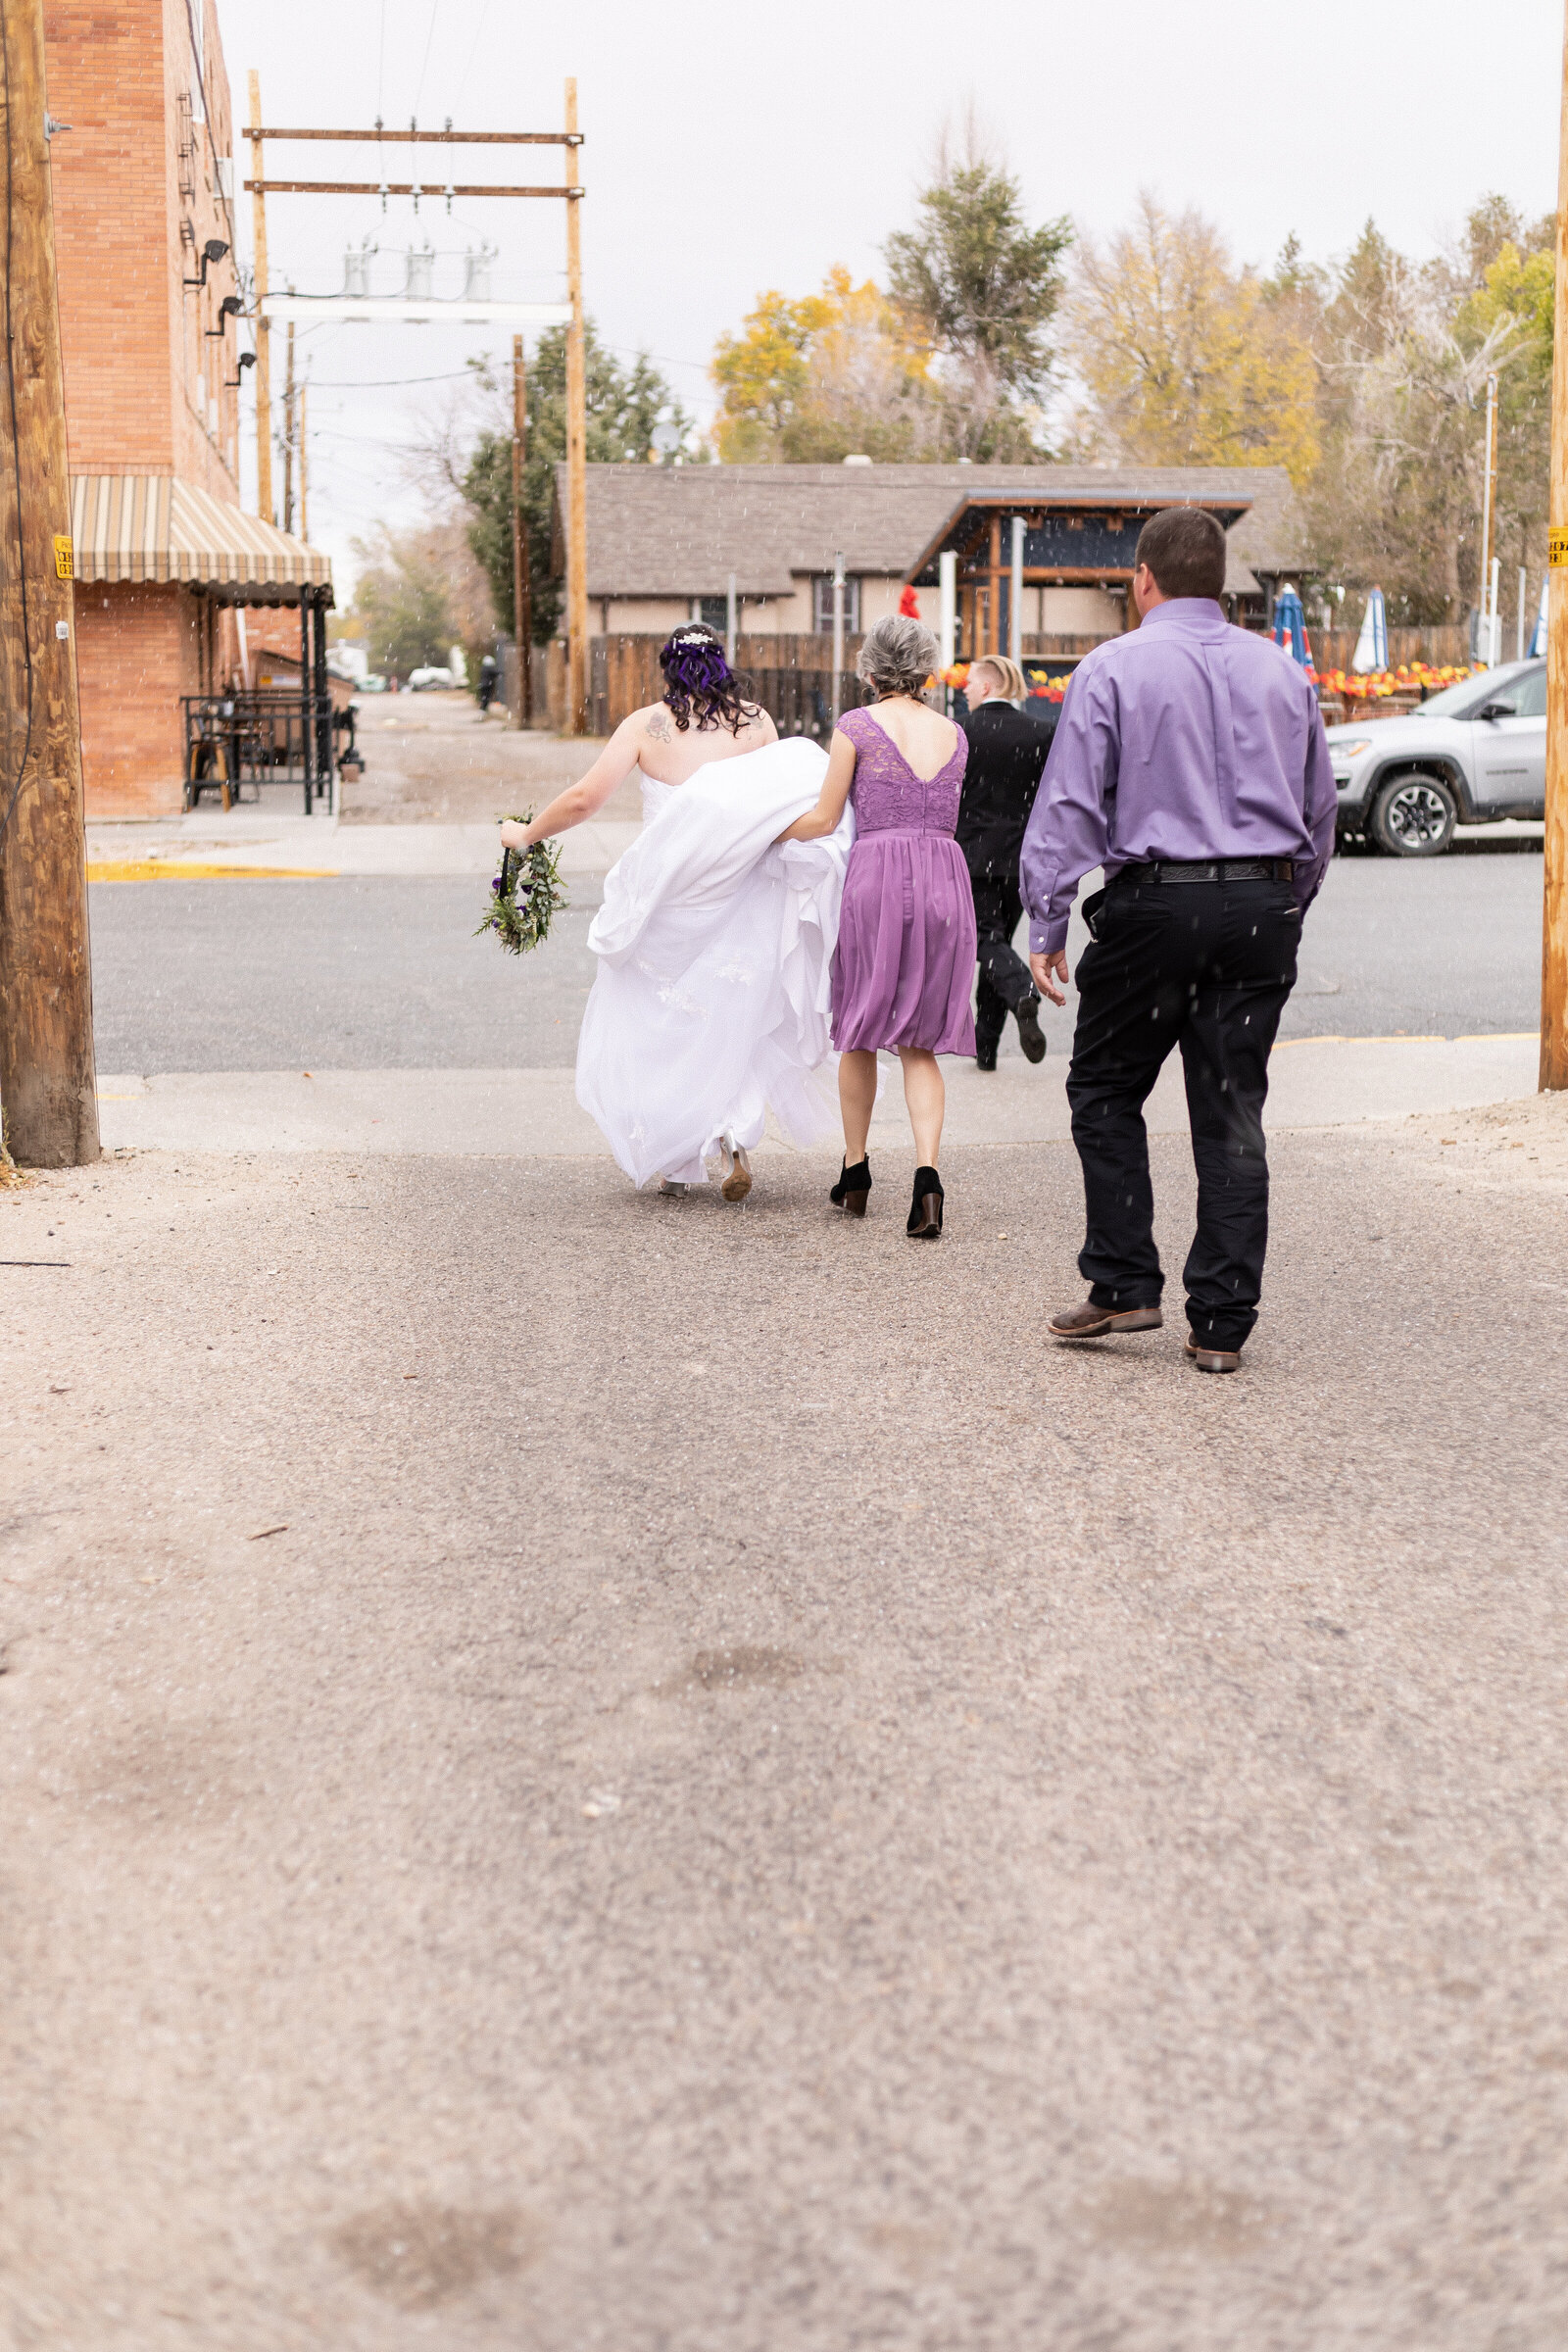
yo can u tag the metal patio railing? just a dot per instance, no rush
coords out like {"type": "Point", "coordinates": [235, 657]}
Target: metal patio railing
{"type": "Point", "coordinates": [266, 736]}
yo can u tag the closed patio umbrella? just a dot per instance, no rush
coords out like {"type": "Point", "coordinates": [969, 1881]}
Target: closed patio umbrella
{"type": "Point", "coordinates": [1289, 627]}
{"type": "Point", "coordinates": [1372, 646]}
{"type": "Point", "coordinates": [1537, 635]}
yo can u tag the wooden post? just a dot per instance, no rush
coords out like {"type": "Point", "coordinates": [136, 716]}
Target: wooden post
{"type": "Point", "coordinates": [993, 643]}
{"type": "Point", "coordinates": [263, 392]}
{"type": "Point", "coordinates": [837, 631]}
{"type": "Point", "coordinates": [48, 1089]}
{"type": "Point", "coordinates": [305, 479]}
{"type": "Point", "coordinates": [288, 432]}
{"type": "Point", "coordinates": [1554, 916]}
{"type": "Point", "coordinates": [1015, 595]}
{"type": "Point", "coordinates": [521, 587]}
{"type": "Point", "coordinates": [577, 448]}
{"type": "Point", "coordinates": [1488, 501]}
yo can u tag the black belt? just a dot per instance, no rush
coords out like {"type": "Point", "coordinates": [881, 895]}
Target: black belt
{"type": "Point", "coordinates": [1213, 869]}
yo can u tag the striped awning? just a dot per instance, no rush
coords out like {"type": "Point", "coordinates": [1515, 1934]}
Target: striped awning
{"type": "Point", "coordinates": [153, 526]}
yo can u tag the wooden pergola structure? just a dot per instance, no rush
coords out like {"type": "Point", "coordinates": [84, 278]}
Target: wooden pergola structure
{"type": "Point", "coordinates": [1072, 539]}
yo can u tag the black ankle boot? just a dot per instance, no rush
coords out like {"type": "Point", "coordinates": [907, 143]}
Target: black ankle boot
{"type": "Point", "coordinates": [853, 1187]}
{"type": "Point", "coordinates": [1030, 1034]}
{"type": "Point", "coordinates": [925, 1213]}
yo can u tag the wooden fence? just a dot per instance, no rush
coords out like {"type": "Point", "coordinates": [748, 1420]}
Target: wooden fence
{"type": "Point", "coordinates": [1444, 647]}
{"type": "Point", "coordinates": [790, 673]}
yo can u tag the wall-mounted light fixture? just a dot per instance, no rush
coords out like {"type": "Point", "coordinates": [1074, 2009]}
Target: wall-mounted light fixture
{"type": "Point", "coordinates": [247, 359]}
{"type": "Point", "coordinates": [230, 308]}
{"type": "Point", "coordinates": [213, 250]}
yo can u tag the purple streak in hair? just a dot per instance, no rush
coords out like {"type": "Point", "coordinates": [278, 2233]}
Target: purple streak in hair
{"type": "Point", "coordinates": [699, 678]}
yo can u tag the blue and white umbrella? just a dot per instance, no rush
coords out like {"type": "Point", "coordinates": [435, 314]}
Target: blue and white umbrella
{"type": "Point", "coordinates": [1289, 627]}
{"type": "Point", "coordinates": [1372, 646]}
{"type": "Point", "coordinates": [1537, 636]}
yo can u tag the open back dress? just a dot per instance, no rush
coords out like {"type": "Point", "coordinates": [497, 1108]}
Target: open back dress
{"type": "Point", "coordinates": [904, 965]}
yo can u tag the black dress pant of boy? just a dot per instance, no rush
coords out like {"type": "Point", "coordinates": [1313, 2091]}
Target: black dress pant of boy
{"type": "Point", "coordinates": [1005, 984]}
{"type": "Point", "coordinates": [1205, 965]}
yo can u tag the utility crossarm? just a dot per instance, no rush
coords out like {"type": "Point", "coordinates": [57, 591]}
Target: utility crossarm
{"type": "Point", "coordinates": [393, 188]}
{"type": "Point", "coordinates": [265, 309]}
{"type": "Point", "coordinates": [438, 138]}
{"type": "Point", "coordinates": [394, 310]}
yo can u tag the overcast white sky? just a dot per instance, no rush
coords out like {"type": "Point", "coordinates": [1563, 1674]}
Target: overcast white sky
{"type": "Point", "coordinates": [734, 147]}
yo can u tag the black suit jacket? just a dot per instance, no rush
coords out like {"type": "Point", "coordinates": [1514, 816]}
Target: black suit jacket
{"type": "Point", "coordinates": [1007, 751]}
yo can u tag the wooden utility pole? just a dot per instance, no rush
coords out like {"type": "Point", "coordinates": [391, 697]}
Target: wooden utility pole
{"type": "Point", "coordinates": [288, 432]}
{"type": "Point", "coordinates": [48, 1090]}
{"type": "Point", "coordinates": [305, 468]}
{"type": "Point", "coordinates": [1554, 919]}
{"type": "Point", "coordinates": [264, 391]}
{"type": "Point", "coordinates": [521, 595]}
{"type": "Point", "coordinates": [576, 444]}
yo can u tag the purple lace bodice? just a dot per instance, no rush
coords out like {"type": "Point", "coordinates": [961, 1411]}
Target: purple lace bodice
{"type": "Point", "coordinates": [886, 795]}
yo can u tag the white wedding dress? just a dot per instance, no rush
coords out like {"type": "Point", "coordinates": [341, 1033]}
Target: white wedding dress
{"type": "Point", "coordinates": [715, 954]}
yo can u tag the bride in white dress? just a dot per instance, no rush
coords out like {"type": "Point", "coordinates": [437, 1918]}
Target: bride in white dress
{"type": "Point", "coordinates": [714, 940]}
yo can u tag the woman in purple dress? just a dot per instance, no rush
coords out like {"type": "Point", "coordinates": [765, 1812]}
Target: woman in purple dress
{"type": "Point", "coordinates": [903, 967]}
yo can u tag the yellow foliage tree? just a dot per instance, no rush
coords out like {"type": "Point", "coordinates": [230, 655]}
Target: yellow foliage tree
{"type": "Point", "coordinates": [821, 378]}
{"type": "Point", "coordinates": [1182, 358]}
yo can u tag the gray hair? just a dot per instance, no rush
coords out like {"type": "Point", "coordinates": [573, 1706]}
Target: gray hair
{"type": "Point", "coordinates": [899, 655]}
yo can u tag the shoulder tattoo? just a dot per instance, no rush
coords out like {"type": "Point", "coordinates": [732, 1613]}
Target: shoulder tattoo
{"type": "Point", "coordinates": [657, 725]}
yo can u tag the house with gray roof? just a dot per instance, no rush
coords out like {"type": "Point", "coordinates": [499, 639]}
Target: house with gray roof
{"type": "Point", "coordinates": [666, 541]}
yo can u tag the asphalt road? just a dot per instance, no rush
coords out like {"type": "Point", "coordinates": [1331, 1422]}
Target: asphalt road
{"type": "Point", "coordinates": [384, 974]}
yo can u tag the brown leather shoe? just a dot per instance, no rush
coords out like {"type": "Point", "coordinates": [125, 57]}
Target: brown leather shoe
{"type": "Point", "coordinates": [1213, 1360]}
{"type": "Point", "coordinates": [1091, 1322]}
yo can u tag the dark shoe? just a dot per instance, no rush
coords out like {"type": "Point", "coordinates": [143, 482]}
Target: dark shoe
{"type": "Point", "coordinates": [1029, 1031]}
{"type": "Point", "coordinates": [853, 1187]}
{"type": "Point", "coordinates": [985, 1054]}
{"type": "Point", "coordinates": [1091, 1322]}
{"type": "Point", "coordinates": [1213, 1360]}
{"type": "Point", "coordinates": [925, 1212]}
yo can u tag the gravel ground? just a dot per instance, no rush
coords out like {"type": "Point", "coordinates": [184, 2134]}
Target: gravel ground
{"type": "Point", "coordinates": [624, 1773]}
{"type": "Point", "coordinates": [435, 759]}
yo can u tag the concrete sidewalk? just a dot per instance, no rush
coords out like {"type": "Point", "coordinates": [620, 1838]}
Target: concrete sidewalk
{"type": "Point", "coordinates": [602, 1774]}
{"type": "Point", "coordinates": [1314, 1081]}
{"type": "Point", "coordinates": [246, 841]}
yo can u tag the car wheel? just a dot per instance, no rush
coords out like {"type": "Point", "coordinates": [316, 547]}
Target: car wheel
{"type": "Point", "coordinates": [1414, 817]}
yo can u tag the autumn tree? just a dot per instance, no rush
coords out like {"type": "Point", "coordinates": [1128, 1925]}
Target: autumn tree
{"type": "Point", "coordinates": [1183, 357]}
{"type": "Point", "coordinates": [419, 592]}
{"type": "Point", "coordinates": [1403, 355]}
{"type": "Point", "coordinates": [979, 289]}
{"type": "Point", "coordinates": [823, 377]}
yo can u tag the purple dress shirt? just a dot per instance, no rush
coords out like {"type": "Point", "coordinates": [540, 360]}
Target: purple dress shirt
{"type": "Point", "coordinates": [1185, 739]}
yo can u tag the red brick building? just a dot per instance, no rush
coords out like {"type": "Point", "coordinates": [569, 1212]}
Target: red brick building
{"type": "Point", "coordinates": [143, 182]}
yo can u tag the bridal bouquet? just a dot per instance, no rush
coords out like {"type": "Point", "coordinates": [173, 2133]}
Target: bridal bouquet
{"type": "Point", "coordinates": [525, 896]}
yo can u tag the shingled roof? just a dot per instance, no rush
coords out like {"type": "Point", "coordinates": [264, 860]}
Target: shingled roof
{"type": "Point", "coordinates": [682, 530]}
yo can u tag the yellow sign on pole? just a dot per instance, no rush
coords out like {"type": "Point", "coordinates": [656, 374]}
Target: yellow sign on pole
{"type": "Point", "coordinates": [66, 558]}
{"type": "Point", "coordinates": [1557, 547]}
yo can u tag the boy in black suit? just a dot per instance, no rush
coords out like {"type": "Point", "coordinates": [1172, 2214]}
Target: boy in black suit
{"type": "Point", "coordinates": [1007, 751]}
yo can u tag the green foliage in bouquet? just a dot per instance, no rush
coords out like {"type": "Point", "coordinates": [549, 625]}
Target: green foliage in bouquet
{"type": "Point", "coordinates": [525, 896]}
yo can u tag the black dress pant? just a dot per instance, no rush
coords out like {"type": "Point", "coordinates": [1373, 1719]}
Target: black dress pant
{"type": "Point", "coordinates": [1206, 966]}
{"type": "Point", "coordinates": [1005, 978]}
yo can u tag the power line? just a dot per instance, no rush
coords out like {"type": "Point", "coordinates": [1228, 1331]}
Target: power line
{"type": "Point", "coordinates": [387, 383]}
{"type": "Point", "coordinates": [475, 51]}
{"type": "Point", "coordinates": [435, 10]}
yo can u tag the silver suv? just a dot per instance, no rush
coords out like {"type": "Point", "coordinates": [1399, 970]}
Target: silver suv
{"type": "Point", "coordinates": [1471, 754]}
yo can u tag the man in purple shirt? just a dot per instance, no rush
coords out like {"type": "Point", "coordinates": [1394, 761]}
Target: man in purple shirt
{"type": "Point", "coordinates": [1189, 763]}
